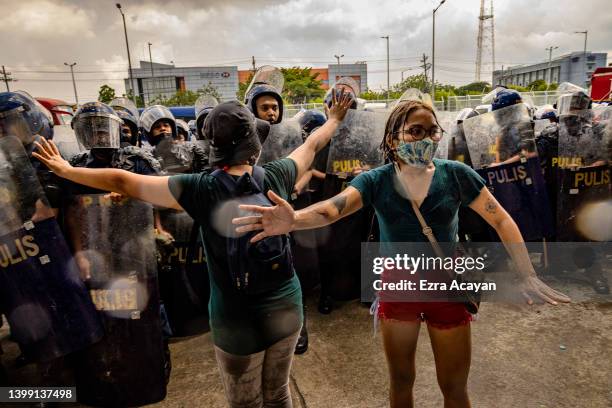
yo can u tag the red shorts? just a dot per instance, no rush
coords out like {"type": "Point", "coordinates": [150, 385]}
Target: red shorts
{"type": "Point", "coordinates": [441, 315]}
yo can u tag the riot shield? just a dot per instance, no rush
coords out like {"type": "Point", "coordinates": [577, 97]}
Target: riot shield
{"type": "Point", "coordinates": [502, 150]}
{"type": "Point", "coordinates": [115, 240]}
{"type": "Point", "coordinates": [495, 137]}
{"type": "Point", "coordinates": [267, 75]}
{"type": "Point", "coordinates": [65, 140]}
{"type": "Point", "coordinates": [539, 125]}
{"type": "Point", "coordinates": [205, 102]}
{"type": "Point", "coordinates": [355, 146]}
{"type": "Point", "coordinates": [45, 302]}
{"type": "Point", "coordinates": [175, 158]}
{"type": "Point", "coordinates": [447, 122]}
{"type": "Point", "coordinates": [183, 275]}
{"type": "Point", "coordinates": [584, 199]}
{"type": "Point", "coordinates": [283, 138]}
{"type": "Point", "coordinates": [126, 105]}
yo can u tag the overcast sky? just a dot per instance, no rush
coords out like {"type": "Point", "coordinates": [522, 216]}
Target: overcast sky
{"type": "Point", "coordinates": [38, 36]}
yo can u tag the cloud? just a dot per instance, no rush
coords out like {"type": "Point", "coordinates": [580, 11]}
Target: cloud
{"type": "Point", "coordinates": [40, 35]}
{"type": "Point", "coordinates": [39, 20]}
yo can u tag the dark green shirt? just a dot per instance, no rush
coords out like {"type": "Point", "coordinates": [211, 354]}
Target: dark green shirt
{"type": "Point", "coordinates": [241, 324]}
{"type": "Point", "coordinates": [453, 184]}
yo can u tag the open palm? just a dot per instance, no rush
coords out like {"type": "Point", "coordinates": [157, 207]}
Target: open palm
{"type": "Point", "coordinates": [276, 220]}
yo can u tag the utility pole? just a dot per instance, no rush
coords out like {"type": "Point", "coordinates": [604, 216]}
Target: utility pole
{"type": "Point", "coordinates": [127, 46]}
{"type": "Point", "coordinates": [433, 51]}
{"type": "Point", "coordinates": [550, 50]}
{"type": "Point", "coordinates": [7, 78]}
{"type": "Point", "coordinates": [501, 78]}
{"type": "Point", "coordinates": [76, 98]}
{"type": "Point", "coordinates": [253, 62]}
{"type": "Point", "coordinates": [151, 61]}
{"type": "Point", "coordinates": [388, 80]}
{"type": "Point", "coordinates": [425, 67]}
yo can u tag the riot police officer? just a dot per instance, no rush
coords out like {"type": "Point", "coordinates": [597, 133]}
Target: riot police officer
{"type": "Point", "coordinates": [263, 96]}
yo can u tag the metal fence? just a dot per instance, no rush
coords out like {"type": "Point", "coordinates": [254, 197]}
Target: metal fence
{"type": "Point", "coordinates": [452, 103]}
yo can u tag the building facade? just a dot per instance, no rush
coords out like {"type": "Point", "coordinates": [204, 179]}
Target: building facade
{"type": "Point", "coordinates": [576, 67]}
{"type": "Point", "coordinates": [153, 80]}
{"type": "Point", "coordinates": [333, 72]}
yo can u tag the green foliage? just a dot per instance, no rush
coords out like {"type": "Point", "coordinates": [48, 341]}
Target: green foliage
{"type": "Point", "coordinates": [518, 88]}
{"type": "Point", "coordinates": [139, 100]}
{"type": "Point", "coordinates": [301, 85]}
{"type": "Point", "coordinates": [106, 94]}
{"type": "Point", "coordinates": [475, 88]}
{"type": "Point", "coordinates": [186, 98]}
{"type": "Point", "coordinates": [242, 87]}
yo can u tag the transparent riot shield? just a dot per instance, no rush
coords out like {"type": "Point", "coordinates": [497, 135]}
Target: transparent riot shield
{"type": "Point", "coordinates": [355, 147]}
{"type": "Point", "coordinates": [126, 105]}
{"type": "Point", "coordinates": [46, 304]}
{"type": "Point", "coordinates": [584, 199]}
{"type": "Point", "coordinates": [496, 137]}
{"type": "Point", "coordinates": [502, 149]}
{"type": "Point", "coordinates": [283, 138]}
{"type": "Point", "coordinates": [205, 102]}
{"type": "Point", "coordinates": [267, 75]}
{"type": "Point", "coordinates": [65, 140]}
{"type": "Point", "coordinates": [183, 275]}
{"type": "Point", "coordinates": [539, 125]}
{"type": "Point", "coordinates": [114, 248]}
{"type": "Point", "coordinates": [447, 122]}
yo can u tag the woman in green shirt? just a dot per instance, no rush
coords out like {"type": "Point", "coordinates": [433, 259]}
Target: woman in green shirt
{"type": "Point", "coordinates": [254, 334]}
{"type": "Point", "coordinates": [438, 188]}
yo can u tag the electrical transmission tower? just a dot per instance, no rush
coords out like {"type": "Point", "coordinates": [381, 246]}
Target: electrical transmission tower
{"type": "Point", "coordinates": [486, 37]}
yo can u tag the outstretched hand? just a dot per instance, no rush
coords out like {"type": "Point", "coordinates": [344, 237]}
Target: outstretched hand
{"type": "Point", "coordinates": [50, 156]}
{"type": "Point", "coordinates": [276, 220]}
{"type": "Point", "coordinates": [532, 287]}
{"type": "Point", "coordinates": [339, 106]}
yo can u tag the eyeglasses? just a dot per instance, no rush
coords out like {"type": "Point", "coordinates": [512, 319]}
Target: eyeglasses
{"type": "Point", "coordinates": [419, 133]}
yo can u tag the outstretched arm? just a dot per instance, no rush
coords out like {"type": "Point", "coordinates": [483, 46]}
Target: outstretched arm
{"type": "Point", "coordinates": [281, 218]}
{"type": "Point", "coordinates": [304, 155]}
{"type": "Point", "coordinates": [151, 189]}
{"type": "Point", "coordinates": [488, 208]}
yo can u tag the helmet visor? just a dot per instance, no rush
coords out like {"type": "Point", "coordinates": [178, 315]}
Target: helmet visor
{"type": "Point", "coordinates": [13, 123]}
{"type": "Point", "coordinates": [97, 132]}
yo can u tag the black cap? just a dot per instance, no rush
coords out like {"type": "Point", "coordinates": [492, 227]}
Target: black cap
{"type": "Point", "coordinates": [235, 134]}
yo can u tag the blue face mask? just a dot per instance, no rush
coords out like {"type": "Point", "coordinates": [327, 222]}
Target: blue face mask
{"type": "Point", "coordinates": [417, 154]}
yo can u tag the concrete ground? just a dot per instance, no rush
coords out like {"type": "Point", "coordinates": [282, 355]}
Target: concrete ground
{"type": "Point", "coordinates": [539, 356]}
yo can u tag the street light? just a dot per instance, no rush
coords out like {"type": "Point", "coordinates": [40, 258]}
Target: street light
{"type": "Point", "coordinates": [388, 81]}
{"type": "Point", "coordinates": [76, 98]}
{"type": "Point", "coordinates": [433, 52]}
{"type": "Point", "coordinates": [151, 60]}
{"type": "Point", "coordinates": [337, 57]}
{"type": "Point", "coordinates": [586, 34]}
{"type": "Point", "coordinates": [405, 70]}
{"type": "Point", "coordinates": [550, 50]}
{"type": "Point", "coordinates": [127, 46]}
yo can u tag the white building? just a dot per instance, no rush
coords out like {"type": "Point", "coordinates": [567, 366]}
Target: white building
{"type": "Point", "coordinates": [152, 80]}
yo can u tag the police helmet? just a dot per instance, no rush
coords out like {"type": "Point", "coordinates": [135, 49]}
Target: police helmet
{"type": "Point", "coordinates": [97, 126]}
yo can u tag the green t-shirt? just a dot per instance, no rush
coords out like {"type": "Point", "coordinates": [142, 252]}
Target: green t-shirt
{"type": "Point", "coordinates": [453, 184]}
{"type": "Point", "coordinates": [241, 324]}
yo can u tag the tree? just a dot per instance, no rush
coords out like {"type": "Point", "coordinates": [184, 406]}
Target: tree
{"type": "Point", "coordinates": [474, 88]}
{"type": "Point", "coordinates": [139, 100]}
{"type": "Point", "coordinates": [106, 94]}
{"type": "Point", "coordinates": [242, 87]}
{"type": "Point", "coordinates": [209, 90]}
{"type": "Point", "coordinates": [301, 85]}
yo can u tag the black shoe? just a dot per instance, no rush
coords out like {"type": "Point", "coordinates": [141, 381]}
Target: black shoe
{"type": "Point", "coordinates": [326, 304]}
{"type": "Point", "coordinates": [302, 344]}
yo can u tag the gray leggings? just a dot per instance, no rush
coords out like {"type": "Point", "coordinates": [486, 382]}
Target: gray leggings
{"type": "Point", "coordinates": [260, 379]}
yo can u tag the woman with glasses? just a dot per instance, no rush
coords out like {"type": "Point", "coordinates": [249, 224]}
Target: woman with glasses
{"type": "Point", "coordinates": [438, 188]}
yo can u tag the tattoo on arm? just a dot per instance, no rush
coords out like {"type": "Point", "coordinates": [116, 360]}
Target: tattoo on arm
{"type": "Point", "coordinates": [491, 206]}
{"type": "Point", "coordinates": [340, 203]}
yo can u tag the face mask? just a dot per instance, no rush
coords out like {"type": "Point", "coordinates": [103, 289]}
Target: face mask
{"type": "Point", "coordinates": [417, 154]}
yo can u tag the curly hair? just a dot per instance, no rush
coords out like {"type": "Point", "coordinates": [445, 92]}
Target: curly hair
{"type": "Point", "coordinates": [396, 121]}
